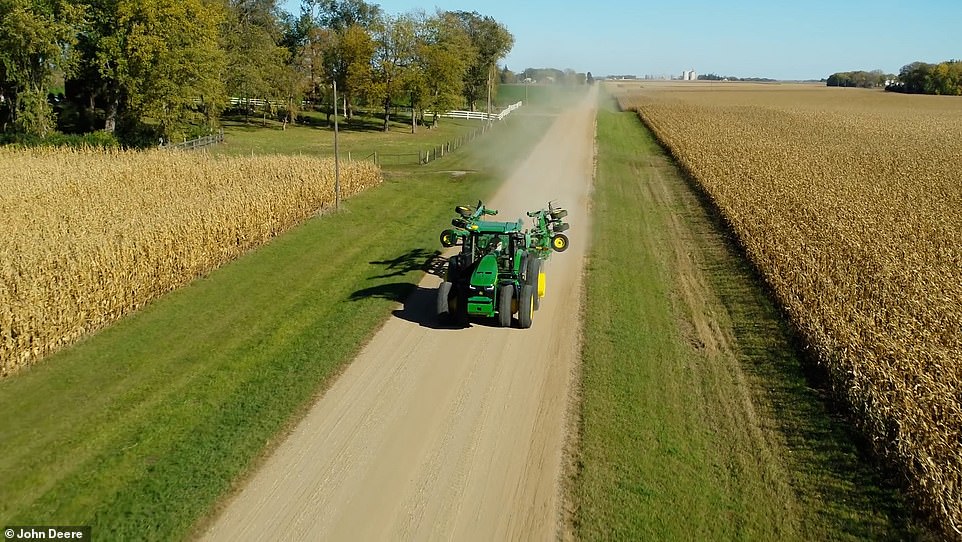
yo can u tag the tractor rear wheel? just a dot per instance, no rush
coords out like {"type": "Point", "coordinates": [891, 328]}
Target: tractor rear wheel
{"type": "Point", "coordinates": [531, 275]}
{"type": "Point", "coordinates": [505, 299]}
{"type": "Point", "coordinates": [526, 307]}
{"type": "Point", "coordinates": [444, 302]}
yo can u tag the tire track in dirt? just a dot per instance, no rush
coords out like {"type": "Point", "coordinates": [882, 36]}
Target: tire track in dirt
{"type": "Point", "coordinates": [443, 433]}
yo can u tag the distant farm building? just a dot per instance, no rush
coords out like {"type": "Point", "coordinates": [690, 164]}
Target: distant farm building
{"type": "Point", "coordinates": [689, 75]}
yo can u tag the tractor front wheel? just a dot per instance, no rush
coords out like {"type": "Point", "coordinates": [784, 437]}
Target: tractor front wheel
{"type": "Point", "coordinates": [505, 299]}
{"type": "Point", "coordinates": [526, 307]}
{"type": "Point", "coordinates": [444, 302]}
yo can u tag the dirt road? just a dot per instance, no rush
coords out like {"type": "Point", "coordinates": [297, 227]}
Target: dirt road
{"type": "Point", "coordinates": [443, 433]}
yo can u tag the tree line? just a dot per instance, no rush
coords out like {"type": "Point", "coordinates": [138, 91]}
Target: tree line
{"type": "Point", "coordinates": [149, 69]}
{"type": "Point", "coordinates": [861, 79]}
{"type": "Point", "coordinates": [944, 78]}
{"type": "Point", "coordinates": [546, 76]}
{"type": "Point", "coordinates": [716, 77]}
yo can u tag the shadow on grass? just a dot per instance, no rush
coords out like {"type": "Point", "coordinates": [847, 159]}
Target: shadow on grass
{"type": "Point", "coordinates": [358, 124]}
{"type": "Point", "coordinates": [418, 259]}
{"type": "Point", "coordinates": [418, 303]}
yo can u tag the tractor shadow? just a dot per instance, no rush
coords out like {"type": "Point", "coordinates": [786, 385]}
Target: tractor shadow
{"type": "Point", "coordinates": [421, 307]}
{"type": "Point", "coordinates": [419, 259]}
{"type": "Point", "coordinates": [418, 304]}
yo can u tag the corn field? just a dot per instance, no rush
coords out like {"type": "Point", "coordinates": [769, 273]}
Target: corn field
{"type": "Point", "coordinates": [89, 236]}
{"type": "Point", "coordinates": [849, 203]}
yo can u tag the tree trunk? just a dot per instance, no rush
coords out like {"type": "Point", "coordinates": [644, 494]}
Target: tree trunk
{"type": "Point", "coordinates": [414, 118]}
{"type": "Point", "coordinates": [387, 114]}
{"type": "Point", "coordinates": [110, 123]}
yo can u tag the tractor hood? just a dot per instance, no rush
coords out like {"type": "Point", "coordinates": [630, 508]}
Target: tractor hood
{"type": "Point", "coordinates": [484, 226]}
{"type": "Point", "coordinates": [486, 274]}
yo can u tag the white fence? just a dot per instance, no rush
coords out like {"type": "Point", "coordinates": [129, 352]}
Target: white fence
{"type": "Point", "coordinates": [198, 143]}
{"type": "Point", "coordinates": [478, 115]}
{"type": "Point", "coordinates": [252, 102]}
{"type": "Point", "coordinates": [470, 115]}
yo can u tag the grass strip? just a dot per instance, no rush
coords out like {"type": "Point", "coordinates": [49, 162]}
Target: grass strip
{"type": "Point", "coordinates": [698, 418]}
{"type": "Point", "coordinates": [140, 429]}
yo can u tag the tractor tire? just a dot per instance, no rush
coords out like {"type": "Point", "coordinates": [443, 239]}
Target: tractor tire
{"type": "Point", "coordinates": [559, 242]}
{"type": "Point", "coordinates": [459, 306]}
{"type": "Point", "coordinates": [505, 300]}
{"type": "Point", "coordinates": [531, 276]}
{"type": "Point", "coordinates": [444, 302]}
{"type": "Point", "coordinates": [526, 306]}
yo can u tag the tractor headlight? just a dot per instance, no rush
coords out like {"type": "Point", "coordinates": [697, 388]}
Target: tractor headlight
{"type": "Point", "coordinates": [487, 291]}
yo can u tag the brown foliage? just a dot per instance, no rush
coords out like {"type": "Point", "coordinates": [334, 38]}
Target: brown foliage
{"type": "Point", "coordinates": [89, 236]}
{"type": "Point", "coordinates": [849, 202]}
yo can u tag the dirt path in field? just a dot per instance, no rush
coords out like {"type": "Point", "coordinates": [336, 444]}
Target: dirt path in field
{"type": "Point", "coordinates": [443, 433]}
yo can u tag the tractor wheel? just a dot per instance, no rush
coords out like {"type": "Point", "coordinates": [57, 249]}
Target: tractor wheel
{"type": "Point", "coordinates": [559, 242]}
{"type": "Point", "coordinates": [444, 302]}
{"type": "Point", "coordinates": [533, 276]}
{"type": "Point", "coordinates": [505, 299]}
{"type": "Point", "coordinates": [539, 293]}
{"type": "Point", "coordinates": [526, 308]}
{"type": "Point", "coordinates": [448, 238]}
{"type": "Point", "coordinates": [459, 305]}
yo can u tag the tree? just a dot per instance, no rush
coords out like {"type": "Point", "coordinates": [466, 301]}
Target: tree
{"type": "Point", "coordinates": [507, 77]}
{"type": "Point", "coordinates": [36, 36]}
{"type": "Point", "coordinates": [311, 46]}
{"type": "Point", "coordinates": [443, 53]}
{"type": "Point", "coordinates": [490, 42]}
{"type": "Point", "coordinates": [394, 56]}
{"type": "Point", "coordinates": [155, 66]}
{"type": "Point", "coordinates": [339, 15]}
{"type": "Point", "coordinates": [166, 58]}
{"type": "Point", "coordinates": [256, 65]}
{"type": "Point", "coordinates": [348, 49]}
{"type": "Point", "coordinates": [352, 61]}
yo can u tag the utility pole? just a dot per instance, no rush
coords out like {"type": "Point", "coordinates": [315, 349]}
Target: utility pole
{"type": "Point", "coordinates": [337, 165]}
{"type": "Point", "coordinates": [489, 96]}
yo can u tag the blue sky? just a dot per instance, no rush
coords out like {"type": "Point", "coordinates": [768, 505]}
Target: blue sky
{"type": "Point", "coordinates": [781, 40]}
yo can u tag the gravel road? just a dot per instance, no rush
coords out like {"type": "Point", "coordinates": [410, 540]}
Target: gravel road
{"type": "Point", "coordinates": [443, 433]}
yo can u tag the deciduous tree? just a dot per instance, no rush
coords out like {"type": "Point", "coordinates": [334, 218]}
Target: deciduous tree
{"type": "Point", "coordinates": [490, 42]}
{"type": "Point", "coordinates": [166, 58]}
{"type": "Point", "coordinates": [348, 54]}
{"type": "Point", "coordinates": [394, 58]}
{"type": "Point", "coordinates": [35, 37]}
{"type": "Point", "coordinates": [443, 56]}
{"type": "Point", "coordinates": [256, 65]}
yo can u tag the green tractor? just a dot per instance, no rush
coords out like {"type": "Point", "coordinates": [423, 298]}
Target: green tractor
{"type": "Point", "coordinates": [499, 271]}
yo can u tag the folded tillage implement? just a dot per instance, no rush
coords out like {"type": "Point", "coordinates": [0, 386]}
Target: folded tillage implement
{"type": "Point", "coordinates": [500, 269]}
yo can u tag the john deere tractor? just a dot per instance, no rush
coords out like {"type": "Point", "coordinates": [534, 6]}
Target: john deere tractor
{"type": "Point", "coordinates": [499, 271]}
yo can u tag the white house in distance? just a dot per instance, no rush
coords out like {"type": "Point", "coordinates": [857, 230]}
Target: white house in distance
{"type": "Point", "coordinates": [689, 75]}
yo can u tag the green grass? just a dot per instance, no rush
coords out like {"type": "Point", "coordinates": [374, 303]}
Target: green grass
{"type": "Point", "coordinates": [362, 137]}
{"type": "Point", "coordinates": [140, 429]}
{"type": "Point", "coordinates": [679, 441]}
{"type": "Point", "coordinates": [358, 141]}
